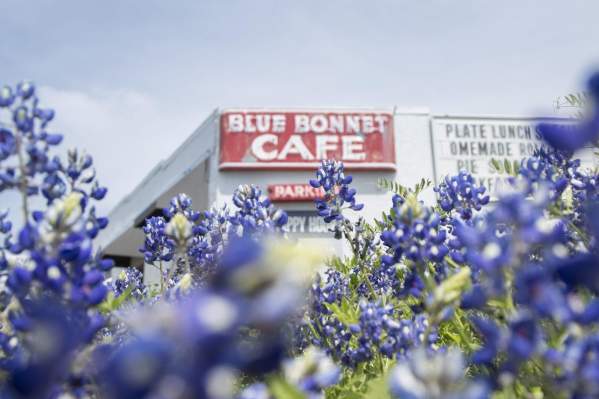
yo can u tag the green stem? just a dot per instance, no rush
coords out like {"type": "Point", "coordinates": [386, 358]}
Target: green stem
{"type": "Point", "coordinates": [161, 279]}
{"type": "Point", "coordinates": [22, 177]}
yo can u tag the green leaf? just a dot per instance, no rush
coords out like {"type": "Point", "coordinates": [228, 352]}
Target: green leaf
{"type": "Point", "coordinates": [516, 167]}
{"type": "Point", "coordinates": [281, 389]}
{"type": "Point", "coordinates": [346, 313]}
{"type": "Point", "coordinates": [111, 303]}
{"type": "Point", "coordinates": [496, 166]}
{"type": "Point", "coordinates": [507, 166]}
{"type": "Point", "coordinates": [452, 287]}
{"type": "Point", "coordinates": [378, 388]}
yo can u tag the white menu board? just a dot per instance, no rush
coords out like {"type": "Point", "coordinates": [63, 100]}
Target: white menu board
{"type": "Point", "coordinates": [471, 143]}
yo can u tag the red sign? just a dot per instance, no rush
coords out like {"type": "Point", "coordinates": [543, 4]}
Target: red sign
{"type": "Point", "coordinates": [299, 140]}
{"type": "Point", "coordinates": [293, 192]}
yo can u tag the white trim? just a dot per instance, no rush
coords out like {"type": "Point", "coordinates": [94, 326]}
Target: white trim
{"type": "Point", "coordinates": [321, 110]}
{"type": "Point", "coordinates": [302, 165]}
{"type": "Point", "coordinates": [500, 117]}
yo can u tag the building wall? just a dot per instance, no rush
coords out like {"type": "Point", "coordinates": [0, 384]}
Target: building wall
{"type": "Point", "coordinates": [413, 158]}
{"type": "Point", "coordinates": [421, 151]}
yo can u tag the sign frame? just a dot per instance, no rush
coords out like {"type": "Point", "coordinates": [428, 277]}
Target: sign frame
{"type": "Point", "coordinates": [378, 145]}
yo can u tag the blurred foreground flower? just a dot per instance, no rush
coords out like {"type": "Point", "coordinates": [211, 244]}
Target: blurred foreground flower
{"type": "Point", "coordinates": [438, 376]}
{"type": "Point", "coordinates": [198, 344]}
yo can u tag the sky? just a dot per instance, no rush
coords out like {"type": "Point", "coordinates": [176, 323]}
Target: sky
{"type": "Point", "coordinates": [130, 80]}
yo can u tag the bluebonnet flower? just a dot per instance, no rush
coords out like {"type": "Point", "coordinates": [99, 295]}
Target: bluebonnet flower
{"type": "Point", "coordinates": [548, 166]}
{"type": "Point", "coordinates": [440, 376]}
{"type": "Point", "coordinates": [53, 187]}
{"type": "Point", "coordinates": [210, 235]}
{"type": "Point", "coordinates": [28, 141]}
{"type": "Point", "coordinates": [179, 229]}
{"type": "Point", "coordinates": [379, 330]}
{"type": "Point", "coordinates": [181, 203]}
{"type": "Point", "coordinates": [192, 242]}
{"type": "Point", "coordinates": [194, 344]}
{"type": "Point", "coordinates": [521, 340]}
{"type": "Point", "coordinates": [462, 194]}
{"type": "Point", "coordinates": [157, 245]}
{"type": "Point", "coordinates": [515, 227]}
{"type": "Point", "coordinates": [56, 248]}
{"type": "Point", "coordinates": [130, 279]}
{"type": "Point", "coordinates": [6, 96]}
{"type": "Point", "coordinates": [329, 287]}
{"type": "Point", "coordinates": [257, 390]}
{"type": "Point", "coordinates": [536, 289]}
{"type": "Point", "coordinates": [579, 271]}
{"type": "Point", "coordinates": [312, 372]}
{"type": "Point", "coordinates": [415, 232]}
{"type": "Point", "coordinates": [576, 366]}
{"type": "Point", "coordinates": [5, 224]}
{"type": "Point", "coordinates": [8, 145]}
{"type": "Point", "coordinates": [54, 279]}
{"type": "Point", "coordinates": [338, 195]}
{"type": "Point", "coordinates": [255, 214]}
{"type": "Point", "coordinates": [25, 89]}
{"type": "Point", "coordinates": [44, 348]}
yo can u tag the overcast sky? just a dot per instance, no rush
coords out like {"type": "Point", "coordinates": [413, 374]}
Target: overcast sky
{"type": "Point", "coordinates": [130, 80]}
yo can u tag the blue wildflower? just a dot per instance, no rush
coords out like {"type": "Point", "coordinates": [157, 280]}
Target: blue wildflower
{"type": "Point", "coordinates": [462, 194]}
{"type": "Point", "coordinates": [7, 143]}
{"type": "Point", "coordinates": [338, 195]}
{"type": "Point", "coordinates": [440, 376]}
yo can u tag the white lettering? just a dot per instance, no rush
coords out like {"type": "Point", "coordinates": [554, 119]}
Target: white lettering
{"type": "Point", "coordinates": [249, 126]}
{"type": "Point", "coordinates": [353, 148]}
{"type": "Point", "coordinates": [324, 144]}
{"type": "Point", "coordinates": [263, 123]}
{"type": "Point", "coordinates": [380, 121]}
{"type": "Point", "coordinates": [295, 145]}
{"type": "Point", "coordinates": [302, 123]}
{"type": "Point", "coordinates": [235, 123]}
{"type": "Point", "coordinates": [279, 191]}
{"type": "Point", "coordinates": [318, 123]}
{"type": "Point", "coordinates": [367, 124]}
{"type": "Point", "coordinates": [336, 123]}
{"type": "Point", "coordinates": [258, 147]}
{"type": "Point", "coordinates": [278, 123]}
{"type": "Point", "coordinates": [353, 123]}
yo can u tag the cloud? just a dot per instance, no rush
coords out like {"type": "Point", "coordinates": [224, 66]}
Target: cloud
{"type": "Point", "coordinates": [126, 131]}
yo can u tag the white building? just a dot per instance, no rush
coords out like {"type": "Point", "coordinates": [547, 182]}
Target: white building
{"type": "Point", "coordinates": [280, 149]}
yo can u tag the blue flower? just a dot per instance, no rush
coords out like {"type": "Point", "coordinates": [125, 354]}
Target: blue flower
{"type": "Point", "coordinates": [257, 390]}
{"type": "Point", "coordinates": [579, 271]}
{"type": "Point", "coordinates": [7, 143]}
{"type": "Point", "coordinates": [256, 215]}
{"type": "Point", "coordinates": [181, 203]}
{"type": "Point", "coordinates": [136, 369]}
{"type": "Point", "coordinates": [415, 233]}
{"type": "Point", "coordinates": [462, 194]}
{"type": "Point", "coordinates": [157, 245]}
{"type": "Point", "coordinates": [312, 371]}
{"type": "Point", "coordinates": [535, 288]}
{"type": "Point", "coordinates": [53, 187]}
{"type": "Point", "coordinates": [22, 119]}
{"type": "Point", "coordinates": [338, 195]}
{"type": "Point", "coordinates": [130, 279]}
{"type": "Point", "coordinates": [441, 375]}
{"type": "Point", "coordinates": [25, 89]}
{"type": "Point", "coordinates": [519, 342]}
{"type": "Point", "coordinates": [6, 97]}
